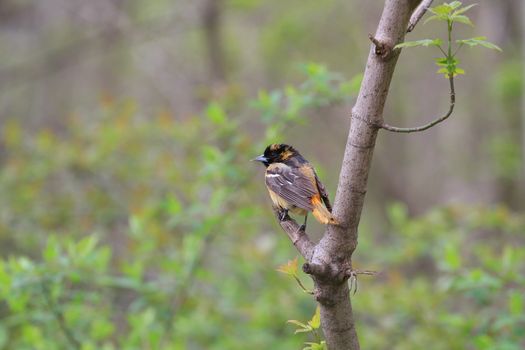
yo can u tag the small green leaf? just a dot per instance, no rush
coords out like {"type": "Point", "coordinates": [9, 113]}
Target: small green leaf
{"type": "Point", "coordinates": [299, 324]}
{"type": "Point", "coordinates": [52, 250]}
{"type": "Point", "coordinates": [432, 18]}
{"type": "Point", "coordinates": [290, 268]}
{"type": "Point", "coordinates": [85, 246]}
{"type": "Point", "coordinates": [461, 19]}
{"type": "Point", "coordinates": [452, 257]}
{"type": "Point", "coordinates": [173, 205]}
{"type": "Point", "coordinates": [5, 280]}
{"type": "Point", "coordinates": [216, 114]}
{"type": "Point", "coordinates": [440, 10]}
{"type": "Point", "coordinates": [315, 70]}
{"type": "Point", "coordinates": [442, 61]}
{"type": "Point", "coordinates": [315, 322]}
{"type": "Point", "coordinates": [516, 303]}
{"type": "Point", "coordinates": [454, 70]}
{"type": "Point", "coordinates": [454, 4]}
{"type": "Point", "coordinates": [448, 66]}
{"type": "Point", "coordinates": [300, 330]}
{"type": "Point", "coordinates": [480, 40]}
{"type": "Point", "coordinates": [136, 226]}
{"type": "Point", "coordinates": [464, 9]}
{"type": "Point", "coordinates": [315, 346]}
{"type": "Point", "coordinates": [424, 42]}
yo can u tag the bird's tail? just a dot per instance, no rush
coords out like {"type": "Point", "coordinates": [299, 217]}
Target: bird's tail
{"type": "Point", "coordinates": [321, 213]}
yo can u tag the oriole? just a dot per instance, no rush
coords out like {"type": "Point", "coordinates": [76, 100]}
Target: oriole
{"type": "Point", "coordinates": [293, 184]}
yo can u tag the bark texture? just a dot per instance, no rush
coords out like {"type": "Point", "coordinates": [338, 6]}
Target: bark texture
{"type": "Point", "coordinates": [330, 262]}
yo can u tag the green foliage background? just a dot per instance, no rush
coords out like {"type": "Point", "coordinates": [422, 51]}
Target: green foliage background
{"type": "Point", "coordinates": [128, 236]}
{"type": "Point", "coordinates": [131, 227]}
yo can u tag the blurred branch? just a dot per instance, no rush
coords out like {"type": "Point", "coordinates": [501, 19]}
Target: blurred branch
{"type": "Point", "coordinates": [59, 317]}
{"type": "Point", "coordinates": [419, 12]}
{"type": "Point", "coordinates": [211, 21]}
{"type": "Point", "coordinates": [432, 123]}
{"type": "Point", "coordinates": [57, 59]}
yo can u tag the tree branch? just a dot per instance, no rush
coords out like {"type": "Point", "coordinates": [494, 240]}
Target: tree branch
{"type": "Point", "coordinates": [335, 249]}
{"type": "Point", "coordinates": [330, 261]}
{"type": "Point", "coordinates": [432, 123]}
{"type": "Point", "coordinates": [382, 48]}
{"type": "Point", "coordinates": [418, 14]}
{"type": "Point", "coordinates": [211, 20]}
{"type": "Point", "coordinates": [297, 235]}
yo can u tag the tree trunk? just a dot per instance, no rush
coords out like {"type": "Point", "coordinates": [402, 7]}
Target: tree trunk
{"type": "Point", "coordinates": [330, 263]}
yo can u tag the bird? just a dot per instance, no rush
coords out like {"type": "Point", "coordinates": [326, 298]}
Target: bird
{"type": "Point", "coordinates": [294, 186]}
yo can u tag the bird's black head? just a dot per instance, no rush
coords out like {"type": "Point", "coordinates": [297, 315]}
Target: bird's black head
{"type": "Point", "coordinates": [278, 153]}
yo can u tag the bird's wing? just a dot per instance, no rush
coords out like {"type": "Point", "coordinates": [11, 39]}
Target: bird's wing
{"type": "Point", "coordinates": [295, 185]}
{"type": "Point", "coordinates": [323, 192]}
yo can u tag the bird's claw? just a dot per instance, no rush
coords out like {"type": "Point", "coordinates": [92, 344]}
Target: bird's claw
{"type": "Point", "coordinates": [283, 214]}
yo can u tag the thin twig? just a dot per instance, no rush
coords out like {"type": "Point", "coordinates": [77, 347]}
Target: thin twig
{"type": "Point", "coordinates": [353, 277]}
{"type": "Point", "coordinates": [374, 41]}
{"type": "Point", "coordinates": [418, 13]}
{"type": "Point", "coordinates": [382, 48]}
{"type": "Point", "coordinates": [306, 290]}
{"type": "Point", "coordinates": [442, 51]}
{"type": "Point", "coordinates": [431, 124]}
{"type": "Point", "coordinates": [457, 50]}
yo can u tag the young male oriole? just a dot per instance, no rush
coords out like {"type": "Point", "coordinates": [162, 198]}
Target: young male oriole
{"type": "Point", "coordinates": [293, 184]}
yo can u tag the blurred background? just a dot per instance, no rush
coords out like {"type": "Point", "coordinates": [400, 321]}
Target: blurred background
{"type": "Point", "coordinates": [131, 218]}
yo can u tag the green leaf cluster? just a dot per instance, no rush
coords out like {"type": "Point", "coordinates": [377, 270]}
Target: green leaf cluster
{"type": "Point", "coordinates": [450, 13]}
{"type": "Point", "coordinates": [312, 326]}
{"type": "Point", "coordinates": [321, 88]}
{"type": "Point", "coordinates": [451, 278]}
{"type": "Point", "coordinates": [134, 229]}
{"type": "Point", "coordinates": [125, 230]}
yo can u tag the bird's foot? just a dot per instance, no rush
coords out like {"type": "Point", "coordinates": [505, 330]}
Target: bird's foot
{"type": "Point", "coordinates": [301, 230]}
{"type": "Point", "coordinates": [283, 214]}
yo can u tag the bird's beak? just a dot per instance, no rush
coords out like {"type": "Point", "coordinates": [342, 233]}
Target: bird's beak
{"type": "Point", "coordinates": [260, 158]}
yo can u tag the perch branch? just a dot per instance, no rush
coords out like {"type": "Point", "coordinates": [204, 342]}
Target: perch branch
{"type": "Point", "coordinates": [432, 123]}
{"type": "Point", "coordinates": [297, 235]}
{"type": "Point", "coordinates": [419, 12]}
